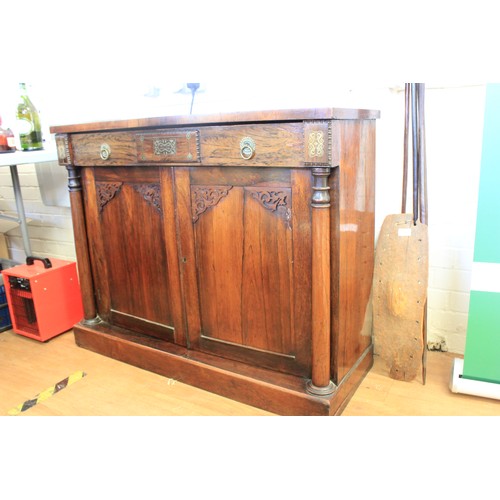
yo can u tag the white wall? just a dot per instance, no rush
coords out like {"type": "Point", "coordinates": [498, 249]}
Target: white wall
{"type": "Point", "coordinates": [454, 135]}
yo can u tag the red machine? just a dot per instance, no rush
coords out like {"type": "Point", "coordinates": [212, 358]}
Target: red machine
{"type": "Point", "coordinates": [44, 297]}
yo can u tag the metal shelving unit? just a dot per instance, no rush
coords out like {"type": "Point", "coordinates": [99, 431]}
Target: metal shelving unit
{"type": "Point", "coordinates": [13, 160]}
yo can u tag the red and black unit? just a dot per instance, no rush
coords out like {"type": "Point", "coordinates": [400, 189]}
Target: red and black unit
{"type": "Point", "coordinates": [44, 297]}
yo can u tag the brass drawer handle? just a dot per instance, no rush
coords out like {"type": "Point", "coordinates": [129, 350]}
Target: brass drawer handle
{"type": "Point", "coordinates": [105, 152]}
{"type": "Point", "coordinates": [247, 148]}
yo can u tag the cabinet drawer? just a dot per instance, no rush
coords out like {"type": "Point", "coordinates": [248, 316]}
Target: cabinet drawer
{"type": "Point", "coordinates": [273, 145]}
{"type": "Point", "coordinates": [103, 149]}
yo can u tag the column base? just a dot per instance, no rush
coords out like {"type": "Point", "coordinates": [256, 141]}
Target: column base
{"type": "Point", "coordinates": [92, 321]}
{"type": "Point", "coordinates": [320, 391]}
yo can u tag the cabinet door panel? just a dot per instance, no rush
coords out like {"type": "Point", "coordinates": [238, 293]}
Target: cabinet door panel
{"type": "Point", "coordinates": [219, 256]}
{"type": "Point", "coordinates": [267, 270]}
{"type": "Point", "coordinates": [243, 241]}
{"type": "Point", "coordinates": [130, 223]}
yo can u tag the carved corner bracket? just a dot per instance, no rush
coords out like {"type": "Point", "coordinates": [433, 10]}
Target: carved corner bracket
{"type": "Point", "coordinates": [106, 191]}
{"type": "Point", "coordinates": [275, 201]}
{"type": "Point", "coordinates": [205, 197]}
{"type": "Point", "coordinates": [271, 200]}
{"type": "Point", "coordinates": [151, 193]}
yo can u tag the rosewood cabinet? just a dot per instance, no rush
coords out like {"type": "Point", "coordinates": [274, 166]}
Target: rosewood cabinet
{"type": "Point", "coordinates": [231, 252]}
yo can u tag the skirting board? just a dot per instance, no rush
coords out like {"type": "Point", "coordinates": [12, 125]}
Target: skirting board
{"type": "Point", "coordinates": [471, 387]}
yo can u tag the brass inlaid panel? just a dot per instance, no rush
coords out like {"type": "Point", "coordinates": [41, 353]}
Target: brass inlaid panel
{"type": "Point", "coordinates": [318, 143]}
{"type": "Point", "coordinates": [176, 146]}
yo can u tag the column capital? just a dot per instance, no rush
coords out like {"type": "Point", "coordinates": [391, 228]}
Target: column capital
{"type": "Point", "coordinates": [321, 189]}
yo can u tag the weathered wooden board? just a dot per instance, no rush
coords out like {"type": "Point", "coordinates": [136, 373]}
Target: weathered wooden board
{"type": "Point", "coordinates": [400, 296]}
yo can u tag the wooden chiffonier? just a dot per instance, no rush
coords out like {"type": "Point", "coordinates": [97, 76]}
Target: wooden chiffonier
{"type": "Point", "coordinates": [230, 252]}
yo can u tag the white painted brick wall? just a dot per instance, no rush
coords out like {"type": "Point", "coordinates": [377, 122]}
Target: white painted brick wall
{"type": "Point", "coordinates": [454, 125]}
{"type": "Point", "coordinates": [50, 229]}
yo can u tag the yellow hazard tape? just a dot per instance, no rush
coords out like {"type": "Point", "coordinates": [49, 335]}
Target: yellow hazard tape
{"type": "Point", "coordinates": [47, 393]}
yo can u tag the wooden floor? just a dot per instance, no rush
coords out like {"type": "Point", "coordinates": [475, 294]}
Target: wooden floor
{"type": "Point", "coordinates": [109, 387]}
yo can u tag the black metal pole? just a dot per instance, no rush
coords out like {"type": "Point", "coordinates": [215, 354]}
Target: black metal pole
{"type": "Point", "coordinates": [415, 151]}
{"type": "Point", "coordinates": [422, 167]}
{"type": "Point", "coordinates": [405, 147]}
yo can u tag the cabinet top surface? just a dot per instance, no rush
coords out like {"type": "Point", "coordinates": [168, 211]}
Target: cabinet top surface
{"type": "Point", "coordinates": [222, 119]}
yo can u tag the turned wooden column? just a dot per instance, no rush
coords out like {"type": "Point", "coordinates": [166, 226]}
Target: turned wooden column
{"type": "Point", "coordinates": [79, 230]}
{"type": "Point", "coordinates": [320, 383]}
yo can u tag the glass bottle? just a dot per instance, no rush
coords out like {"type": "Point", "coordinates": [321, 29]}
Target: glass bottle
{"type": "Point", "coordinates": [28, 122]}
{"type": "Point", "coordinates": [7, 139]}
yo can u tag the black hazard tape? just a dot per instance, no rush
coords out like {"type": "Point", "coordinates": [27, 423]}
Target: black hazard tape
{"type": "Point", "coordinates": [47, 393]}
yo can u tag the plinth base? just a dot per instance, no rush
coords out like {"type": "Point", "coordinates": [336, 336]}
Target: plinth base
{"type": "Point", "coordinates": [275, 392]}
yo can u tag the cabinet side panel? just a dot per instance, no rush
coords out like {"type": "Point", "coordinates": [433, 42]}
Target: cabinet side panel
{"type": "Point", "coordinates": [354, 243]}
